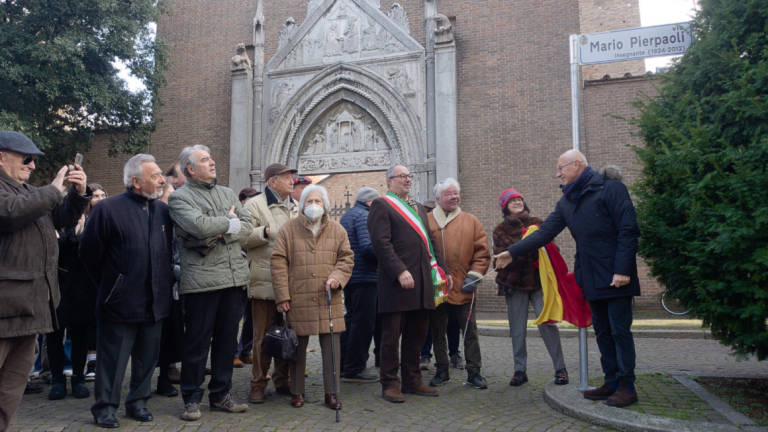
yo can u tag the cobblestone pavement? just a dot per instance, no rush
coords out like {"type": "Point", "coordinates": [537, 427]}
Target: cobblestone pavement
{"type": "Point", "coordinates": [459, 408]}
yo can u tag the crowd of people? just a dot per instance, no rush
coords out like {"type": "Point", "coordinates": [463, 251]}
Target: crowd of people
{"type": "Point", "coordinates": [164, 273]}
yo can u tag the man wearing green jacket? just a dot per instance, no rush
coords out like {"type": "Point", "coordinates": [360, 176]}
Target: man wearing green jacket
{"type": "Point", "coordinates": [211, 223]}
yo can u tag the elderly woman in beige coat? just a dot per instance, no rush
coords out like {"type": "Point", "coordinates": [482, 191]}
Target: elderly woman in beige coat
{"type": "Point", "coordinates": [311, 256]}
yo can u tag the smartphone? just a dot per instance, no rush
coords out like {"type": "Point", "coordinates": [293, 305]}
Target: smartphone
{"type": "Point", "coordinates": [79, 159]}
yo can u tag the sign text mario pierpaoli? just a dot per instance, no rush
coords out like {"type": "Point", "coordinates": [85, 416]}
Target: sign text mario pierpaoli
{"type": "Point", "coordinates": [635, 43]}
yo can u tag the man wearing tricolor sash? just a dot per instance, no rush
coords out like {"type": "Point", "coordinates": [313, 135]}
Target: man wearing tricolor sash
{"type": "Point", "coordinates": [410, 278]}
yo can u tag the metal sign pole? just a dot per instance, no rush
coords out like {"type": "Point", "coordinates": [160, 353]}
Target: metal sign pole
{"type": "Point", "coordinates": [575, 130]}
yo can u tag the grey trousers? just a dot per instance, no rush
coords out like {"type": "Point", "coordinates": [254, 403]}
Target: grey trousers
{"type": "Point", "coordinates": [517, 314]}
{"type": "Point", "coordinates": [438, 321]}
{"type": "Point", "coordinates": [17, 355]}
{"type": "Point", "coordinates": [299, 366]}
{"type": "Point", "coordinates": [117, 343]}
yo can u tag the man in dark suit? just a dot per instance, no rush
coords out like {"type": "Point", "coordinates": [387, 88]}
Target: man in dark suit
{"type": "Point", "coordinates": [126, 248]}
{"type": "Point", "coordinates": [599, 213]}
{"type": "Point", "coordinates": [408, 276]}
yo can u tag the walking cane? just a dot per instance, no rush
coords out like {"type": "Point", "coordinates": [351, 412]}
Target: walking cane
{"type": "Point", "coordinates": [472, 303]}
{"type": "Point", "coordinates": [333, 357]}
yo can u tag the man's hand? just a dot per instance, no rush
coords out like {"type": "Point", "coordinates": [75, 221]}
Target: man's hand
{"type": "Point", "coordinates": [470, 284]}
{"type": "Point", "coordinates": [406, 280]}
{"type": "Point", "coordinates": [77, 177]}
{"type": "Point", "coordinates": [502, 260]}
{"type": "Point", "coordinates": [449, 282]}
{"type": "Point", "coordinates": [231, 211]}
{"type": "Point", "coordinates": [58, 181]}
{"type": "Point", "coordinates": [620, 280]}
{"type": "Point", "coordinates": [284, 306]}
{"type": "Point", "coordinates": [331, 283]}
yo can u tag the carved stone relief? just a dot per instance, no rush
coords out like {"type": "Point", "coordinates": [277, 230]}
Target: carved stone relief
{"type": "Point", "coordinates": [240, 60]}
{"type": "Point", "coordinates": [398, 15]}
{"type": "Point", "coordinates": [281, 92]}
{"type": "Point", "coordinates": [398, 77]}
{"type": "Point", "coordinates": [289, 27]}
{"type": "Point", "coordinates": [344, 33]}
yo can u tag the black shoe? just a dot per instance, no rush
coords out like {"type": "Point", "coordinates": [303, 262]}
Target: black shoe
{"type": "Point", "coordinates": [141, 414]}
{"type": "Point", "coordinates": [79, 390]}
{"type": "Point", "coordinates": [33, 388]}
{"type": "Point", "coordinates": [361, 377]}
{"type": "Point", "coordinates": [58, 388]}
{"type": "Point", "coordinates": [105, 419]}
{"type": "Point", "coordinates": [477, 381]}
{"type": "Point", "coordinates": [561, 377]}
{"type": "Point", "coordinates": [439, 379]}
{"type": "Point", "coordinates": [90, 370]}
{"type": "Point", "coordinates": [165, 388]}
{"type": "Point", "coordinates": [518, 379]}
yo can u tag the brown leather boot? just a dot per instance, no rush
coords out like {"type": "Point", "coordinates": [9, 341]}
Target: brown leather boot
{"type": "Point", "coordinates": [422, 390]}
{"type": "Point", "coordinates": [621, 397]}
{"type": "Point", "coordinates": [393, 395]}
{"type": "Point", "coordinates": [297, 401]}
{"type": "Point", "coordinates": [600, 393]}
{"type": "Point", "coordinates": [332, 402]}
{"type": "Point", "coordinates": [256, 395]}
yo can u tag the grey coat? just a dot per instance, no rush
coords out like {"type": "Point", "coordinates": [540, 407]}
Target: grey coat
{"type": "Point", "coordinates": [200, 210]}
{"type": "Point", "coordinates": [29, 254]}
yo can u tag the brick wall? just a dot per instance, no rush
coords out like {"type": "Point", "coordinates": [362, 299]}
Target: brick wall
{"type": "Point", "coordinates": [102, 169]}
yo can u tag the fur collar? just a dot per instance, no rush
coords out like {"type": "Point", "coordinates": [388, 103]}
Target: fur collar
{"type": "Point", "coordinates": [443, 219]}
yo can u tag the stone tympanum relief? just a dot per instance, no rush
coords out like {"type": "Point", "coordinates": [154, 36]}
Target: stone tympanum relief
{"type": "Point", "coordinates": [345, 33]}
{"type": "Point", "coordinates": [345, 137]}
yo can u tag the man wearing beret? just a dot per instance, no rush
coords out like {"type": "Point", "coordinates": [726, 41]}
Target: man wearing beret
{"type": "Point", "coordinates": [29, 290]}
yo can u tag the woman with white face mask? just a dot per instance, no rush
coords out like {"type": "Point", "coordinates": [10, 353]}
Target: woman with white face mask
{"type": "Point", "coordinates": [311, 257]}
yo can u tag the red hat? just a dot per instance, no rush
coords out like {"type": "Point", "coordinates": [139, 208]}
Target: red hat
{"type": "Point", "coordinates": [301, 180]}
{"type": "Point", "coordinates": [508, 195]}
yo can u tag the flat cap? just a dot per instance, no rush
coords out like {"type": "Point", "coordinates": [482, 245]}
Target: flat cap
{"type": "Point", "coordinates": [19, 143]}
{"type": "Point", "coordinates": [277, 169]}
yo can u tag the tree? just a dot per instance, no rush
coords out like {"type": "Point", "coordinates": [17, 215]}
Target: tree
{"type": "Point", "coordinates": [58, 80]}
{"type": "Point", "coordinates": [703, 189]}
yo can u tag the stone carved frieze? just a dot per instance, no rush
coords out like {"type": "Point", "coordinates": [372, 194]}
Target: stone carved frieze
{"type": "Point", "coordinates": [320, 164]}
{"type": "Point", "coordinates": [281, 92]}
{"type": "Point", "coordinates": [344, 129]}
{"type": "Point", "coordinates": [345, 33]}
{"type": "Point", "coordinates": [398, 15]}
{"type": "Point", "coordinates": [398, 77]}
{"type": "Point", "coordinates": [289, 27]}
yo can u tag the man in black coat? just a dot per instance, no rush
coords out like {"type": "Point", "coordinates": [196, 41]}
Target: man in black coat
{"type": "Point", "coordinates": [599, 213]}
{"type": "Point", "coordinates": [126, 249]}
{"type": "Point", "coordinates": [406, 287]}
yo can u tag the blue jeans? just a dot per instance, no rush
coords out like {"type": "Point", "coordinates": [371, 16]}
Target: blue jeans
{"type": "Point", "coordinates": [612, 320]}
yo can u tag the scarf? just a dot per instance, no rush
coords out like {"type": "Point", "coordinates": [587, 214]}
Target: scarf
{"type": "Point", "coordinates": [572, 191]}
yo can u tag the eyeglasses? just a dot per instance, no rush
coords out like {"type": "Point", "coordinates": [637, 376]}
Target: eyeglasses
{"type": "Point", "coordinates": [403, 176]}
{"type": "Point", "coordinates": [28, 159]}
{"type": "Point", "coordinates": [560, 167]}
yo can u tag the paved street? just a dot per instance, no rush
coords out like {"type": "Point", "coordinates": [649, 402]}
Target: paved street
{"type": "Point", "coordinates": [458, 408]}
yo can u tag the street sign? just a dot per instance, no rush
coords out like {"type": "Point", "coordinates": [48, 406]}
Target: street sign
{"type": "Point", "coordinates": [634, 43]}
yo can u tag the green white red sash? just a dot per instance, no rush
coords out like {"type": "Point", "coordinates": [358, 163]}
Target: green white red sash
{"type": "Point", "coordinates": [414, 220]}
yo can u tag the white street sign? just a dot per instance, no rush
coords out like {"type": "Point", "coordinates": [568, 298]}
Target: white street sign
{"type": "Point", "coordinates": [635, 43]}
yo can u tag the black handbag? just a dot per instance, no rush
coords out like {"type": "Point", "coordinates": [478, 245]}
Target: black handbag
{"type": "Point", "coordinates": [281, 342]}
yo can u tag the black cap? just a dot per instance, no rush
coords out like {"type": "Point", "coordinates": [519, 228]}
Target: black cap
{"type": "Point", "coordinates": [19, 143]}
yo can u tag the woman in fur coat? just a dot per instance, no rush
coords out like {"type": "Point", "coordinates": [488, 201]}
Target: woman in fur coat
{"type": "Point", "coordinates": [519, 282]}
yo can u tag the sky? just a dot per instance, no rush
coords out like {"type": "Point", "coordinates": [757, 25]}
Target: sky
{"type": "Point", "coordinates": [655, 12]}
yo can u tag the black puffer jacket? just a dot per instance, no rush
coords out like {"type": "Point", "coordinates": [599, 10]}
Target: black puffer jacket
{"type": "Point", "coordinates": [522, 274]}
{"type": "Point", "coordinates": [602, 220]}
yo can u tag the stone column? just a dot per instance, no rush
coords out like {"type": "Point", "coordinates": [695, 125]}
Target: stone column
{"type": "Point", "coordinates": [240, 131]}
{"type": "Point", "coordinates": [256, 177]}
{"type": "Point", "coordinates": [446, 154]}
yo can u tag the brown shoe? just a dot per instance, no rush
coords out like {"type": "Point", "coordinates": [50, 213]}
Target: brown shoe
{"type": "Point", "coordinates": [600, 393]}
{"type": "Point", "coordinates": [621, 397]}
{"type": "Point", "coordinates": [393, 395]}
{"type": "Point", "coordinates": [332, 402]}
{"type": "Point", "coordinates": [256, 395]}
{"type": "Point", "coordinates": [237, 363]}
{"type": "Point", "coordinates": [247, 359]}
{"type": "Point", "coordinates": [297, 401]}
{"type": "Point", "coordinates": [422, 390]}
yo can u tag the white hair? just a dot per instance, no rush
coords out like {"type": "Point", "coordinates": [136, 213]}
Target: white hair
{"type": "Point", "coordinates": [187, 157]}
{"type": "Point", "coordinates": [442, 185]}
{"type": "Point", "coordinates": [315, 188]}
{"type": "Point", "coordinates": [133, 168]}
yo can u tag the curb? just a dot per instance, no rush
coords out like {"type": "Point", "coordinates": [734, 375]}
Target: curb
{"type": "Point", "coordinates": [572, 333]}
{"type": "Point", "coordinates": [569, 401]}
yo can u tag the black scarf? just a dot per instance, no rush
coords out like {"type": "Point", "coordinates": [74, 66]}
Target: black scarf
{"type": "Point", "coordinates": [572, 191]}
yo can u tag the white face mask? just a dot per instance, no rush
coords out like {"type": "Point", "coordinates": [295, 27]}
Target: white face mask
{"type": "Point", "coordinates": [313, 212]}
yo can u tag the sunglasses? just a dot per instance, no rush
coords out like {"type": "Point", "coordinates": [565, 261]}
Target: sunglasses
{"type": "Point", "coordinates": [28, 159]}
